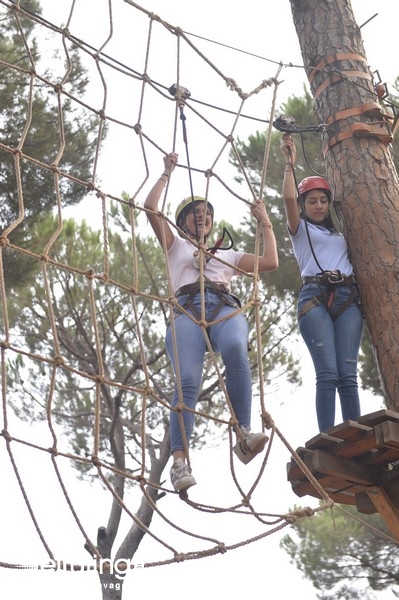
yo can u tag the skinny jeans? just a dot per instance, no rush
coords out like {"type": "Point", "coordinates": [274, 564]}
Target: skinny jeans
{"type": "Point", "coordinates": [229, 338]}
{"type": "Point", "coordinates": [334, 347]}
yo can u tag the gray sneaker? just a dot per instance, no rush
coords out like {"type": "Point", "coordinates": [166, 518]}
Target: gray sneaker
{"type": "Point", "coordinates": [249, 445]}
{"type": "Point", "coordinates": [180, 475]}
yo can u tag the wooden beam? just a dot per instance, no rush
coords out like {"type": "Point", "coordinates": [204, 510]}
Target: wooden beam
{"type": "Point", "coordinates": [349, 470]}
{"type": "Point", "coordinates": [387, 434]}
{"type": "Point", "coordinates": [387, 510]}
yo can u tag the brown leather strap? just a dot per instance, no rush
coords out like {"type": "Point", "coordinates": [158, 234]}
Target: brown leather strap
{"type": "Point", "coordinates": [335, 78]}
{"type": "Point", "coordinates": [339, 56]}
{"type": "Point", "coordinates": [368, 108]}
{"type": "Point", "coordinates": [377, 129]}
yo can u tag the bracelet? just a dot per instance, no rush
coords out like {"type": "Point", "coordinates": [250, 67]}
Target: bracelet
{"type": "Point", "coordinates": [288, 169]}
{"type": "Point", "coordinates": [165, 174]}
{"type": "Point", "coordinates": [164, 180]}
{"type": "Point", "coordinates": [267, 225]}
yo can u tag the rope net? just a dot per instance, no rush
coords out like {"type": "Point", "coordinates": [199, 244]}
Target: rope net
{"type": "Point", "coordinates": [85, 378]}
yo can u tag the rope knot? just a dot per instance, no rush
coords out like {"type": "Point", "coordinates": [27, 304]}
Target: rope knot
{"type": "Point", "coordinates": [66, 32]}
{"type": "Point", "coordinates": [95, 460]}
{"type": "Point", "coordinates": [180, 557]}
{"type": "Point", "coordinates": [6, 435]}
{"type": "Point", "coordinates": [55, 168]}
{"type": "Point", "coordinates": [267, 420]}
{"type": "Point", "coordinates": [221, 548]}
{"type": "Point", "coordinates": [58, 361]}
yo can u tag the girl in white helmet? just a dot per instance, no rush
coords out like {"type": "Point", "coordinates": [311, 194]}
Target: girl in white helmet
{"type": "Point", "coordinates": [229, 337]}
{"type": "Point", "coordinates": [329, 311]}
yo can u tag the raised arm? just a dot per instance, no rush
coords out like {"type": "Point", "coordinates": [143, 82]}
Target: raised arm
{"type": "Point", "coordinates": [289, 187]}
{"type": "Point", "coordinates": [268, 261]}
{"type": "Point", "coordinates": [155, 219]}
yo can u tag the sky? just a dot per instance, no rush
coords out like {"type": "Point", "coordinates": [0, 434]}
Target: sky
{"type": "Point", "coordinates": [265, 35]}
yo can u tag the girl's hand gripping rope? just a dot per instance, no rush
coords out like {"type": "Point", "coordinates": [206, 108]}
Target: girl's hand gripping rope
{"type": "Point", "coordinates": [288, 148]}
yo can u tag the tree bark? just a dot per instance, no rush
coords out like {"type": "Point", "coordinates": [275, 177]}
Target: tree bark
{"type": "Point", "coordinates": [359, 167]}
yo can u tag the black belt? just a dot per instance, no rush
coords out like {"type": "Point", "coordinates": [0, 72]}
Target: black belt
{"type": "Point", "coordinates": [191, 288]}
{"type": "Point", "coordinates": [330, 279]}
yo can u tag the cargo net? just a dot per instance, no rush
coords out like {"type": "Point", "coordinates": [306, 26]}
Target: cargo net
{"type": "Point", "coordinates": [88, 113]}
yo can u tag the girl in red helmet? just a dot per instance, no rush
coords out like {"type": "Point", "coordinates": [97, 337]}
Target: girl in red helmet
{"type": "Point", "coordinates": [329, 313]}
{"type": "Point", "coordinates": [228, 336]}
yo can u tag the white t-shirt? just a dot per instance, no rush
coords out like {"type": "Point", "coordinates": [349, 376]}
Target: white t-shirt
{"type": "Point", "coordinates": [183, 271]}
{"type": "Point", "coordinates": [330, 249]}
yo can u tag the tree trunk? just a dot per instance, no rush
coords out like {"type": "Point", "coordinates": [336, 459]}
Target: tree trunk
{"type": "Point", "coordinates": [359, 167]}
{"type": "Point", "coordinates": [112, 578]}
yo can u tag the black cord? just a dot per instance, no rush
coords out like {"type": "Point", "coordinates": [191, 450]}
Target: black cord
{"type": "Point", "coordinates": [185, 140]}
{"type": "Point", "coordinates": [303, 210]}
{"type": "Point", "coordinates": [306, 159]}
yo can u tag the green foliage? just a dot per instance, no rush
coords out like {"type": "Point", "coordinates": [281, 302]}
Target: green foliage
{"type": "Point", "coordinates": [344, 556]}
{"type": "Point", "coordinates": [82, 303]}
{"type": "Point", "coordinates": [26, 101]}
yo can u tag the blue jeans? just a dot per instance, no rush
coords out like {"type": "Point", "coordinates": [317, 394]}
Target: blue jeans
{"type": "Point", "coordinates": [230, 339]}
{"type": "Point", "coordinates": [334, 348]}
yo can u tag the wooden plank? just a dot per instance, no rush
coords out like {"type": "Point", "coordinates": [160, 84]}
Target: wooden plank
{"type": "Point", "coordinates": [321, 441]}
{"type": "Point", "coordinates": [294, 471]}
{"type": "Point", "coordinates": [348, 430]}
{"type": "Point", "coordinates": [330, 487]}
{"type": "Point", "coordinates": [365, 505]}
{"type": "Point", "coordinates": [357, 446]}
{"type": "Point", "coordinates": [387, 434]}
{"type": "Point", "coordinates": [373, 457]}
{"type": "Point", "coordinates": [305, 488]}
{"type": "Point", "coordinates": [385, 507]}
{"type": "Point", "coordinates": [378, 417]}
{"type": "Point", "coordinates": [347, 469]}
{"type": "Point", "coordinates": [381, 457]}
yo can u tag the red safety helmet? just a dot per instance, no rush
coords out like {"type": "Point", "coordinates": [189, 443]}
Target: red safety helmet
{"type": "Point", "coordinates": [314, 183]}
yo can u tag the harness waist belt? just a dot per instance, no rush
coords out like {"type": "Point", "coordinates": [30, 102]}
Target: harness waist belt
{"type": "Point", "coordinates": [329, 279]}
{"type": "Point", "coordinates": [195, 287]}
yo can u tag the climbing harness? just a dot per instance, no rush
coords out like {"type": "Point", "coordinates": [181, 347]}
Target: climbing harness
{"type": "Point", "coordinates": [221, 291]}
{"type": "Point", "coordinates": [328, 281]}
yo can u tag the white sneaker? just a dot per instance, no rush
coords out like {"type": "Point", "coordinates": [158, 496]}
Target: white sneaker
{"type": "Point", "coordinates": [249, 445]}
{"type": "Point", "coordinates": [180, 475]}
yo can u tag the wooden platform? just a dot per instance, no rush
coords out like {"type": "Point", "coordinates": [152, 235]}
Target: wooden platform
{"type": "Point", "coordinates": [355, 463]}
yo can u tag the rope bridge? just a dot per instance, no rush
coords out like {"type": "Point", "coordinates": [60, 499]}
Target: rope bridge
{"type": "Point", "coordinates": [82, 355]}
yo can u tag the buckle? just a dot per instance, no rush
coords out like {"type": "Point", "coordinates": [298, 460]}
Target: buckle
{"type": "Point", "coordinates": [334, 277]}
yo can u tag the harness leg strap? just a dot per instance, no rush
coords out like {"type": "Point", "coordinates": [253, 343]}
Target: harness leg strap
{"type": "Point", "coordinates": [315, 301]}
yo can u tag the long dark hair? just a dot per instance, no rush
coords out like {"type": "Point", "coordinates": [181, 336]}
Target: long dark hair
{"type": "Point", "coordinates": [328, 222]}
